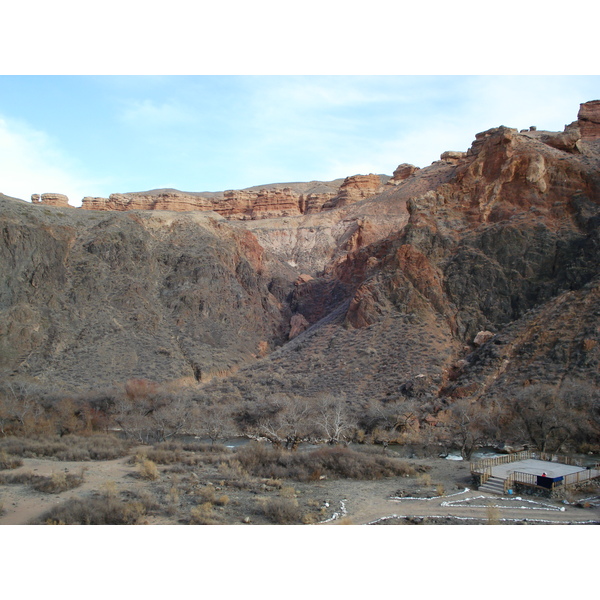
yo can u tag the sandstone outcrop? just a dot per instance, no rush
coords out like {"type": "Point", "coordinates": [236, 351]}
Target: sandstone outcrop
{"type": "Point", "coordinates": [50, 199]}
{"type": "Point", "coordinates": [354, 189]}
{"type": "Point", "coordinates": [588, 120]}
{"type": "Point", "coordinates": [452, 155]}
{"type": "Point", "coordinates": [231, 204]}
{"type": "Point", "coordinates": [402, 172]}
{"type": "Point", "coordinates": [164, 201]}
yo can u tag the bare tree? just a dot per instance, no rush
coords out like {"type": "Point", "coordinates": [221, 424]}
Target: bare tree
{"type": "Point", "coordinates": [20, 407]}
{"type": "Point", "coordinates": [332, 418]}
{"type": "Point", "coordinates": [467, 426]}
{"type": "Point", "coordinates": [287, 422]}
{"type": "Point", "coordinates": [145, 413]}
{"type": "Point", "coordinates": [211, 420]}
{"type": "Point", "coordinates": [387, 420]}
{"type": "Point", "coordinates": [544, 418]}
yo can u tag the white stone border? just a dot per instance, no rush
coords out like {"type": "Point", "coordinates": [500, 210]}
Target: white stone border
{"type": "Point", "coordinates": [526, 520]}
{"type": "Point", "coordinates": [542, 506]}
{"type": "Point", "coordinates": [400, 498]}
{"type": "Point", "coordinates": [336, 515]}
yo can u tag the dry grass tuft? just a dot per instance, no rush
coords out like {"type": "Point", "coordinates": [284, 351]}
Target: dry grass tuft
{"type": "Point", "coordinates": [492, 514]}
{"type": "Point", "coordinates": [8, 461]}
{"type": "Point", "coordinates": [148, 470]}
{"type": "Point", "coordinates": [203, 514]}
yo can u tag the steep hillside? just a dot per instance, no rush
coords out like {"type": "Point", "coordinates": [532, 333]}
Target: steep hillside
{"type": "Point", "coordinates": [92, 298]}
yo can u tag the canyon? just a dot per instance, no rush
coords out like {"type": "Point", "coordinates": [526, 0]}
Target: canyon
{"type": "Point", "coordinates": [472, 277]}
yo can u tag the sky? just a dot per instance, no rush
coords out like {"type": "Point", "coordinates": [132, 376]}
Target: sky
{"type": "Point", "coordinates": [93, 135]}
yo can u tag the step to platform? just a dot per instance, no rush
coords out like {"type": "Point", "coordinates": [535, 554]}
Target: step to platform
{"type": "Point", "coordinates": [494, 485]}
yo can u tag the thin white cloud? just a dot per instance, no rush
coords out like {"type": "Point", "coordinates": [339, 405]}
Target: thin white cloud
{"type": "Point", "coordinates": [147, 113]}
{"type": "Point", "coordinates": [32, 163]}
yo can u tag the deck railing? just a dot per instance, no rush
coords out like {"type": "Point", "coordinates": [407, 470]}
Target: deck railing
{"type": "Point", "coordinates": [581, 476]}
{"type": "Point", "coordinates": [566, 481]}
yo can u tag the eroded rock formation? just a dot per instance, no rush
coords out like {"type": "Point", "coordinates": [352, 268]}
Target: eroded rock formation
{"type": "Point", "coordinates": [50, 199]}
{"type": "Point", "coordinates": [251, 204]}
{"type": "Point", "coordinates": [588, 120]}
{"type": "Point", "coordinates": [355, 188]}
{"type": "Point", "coordinates": [402, 172]}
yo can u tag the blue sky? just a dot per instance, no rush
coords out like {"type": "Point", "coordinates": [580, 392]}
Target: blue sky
{"type": "Point", "coordinates": [96, 135]}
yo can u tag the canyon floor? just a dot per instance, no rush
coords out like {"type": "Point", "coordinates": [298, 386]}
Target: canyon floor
{"type": "Point", "coordinates": [441, 493]}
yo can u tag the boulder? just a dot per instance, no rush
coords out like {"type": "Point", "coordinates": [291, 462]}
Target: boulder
{"type": "Point", "coordinates": [482, 337]}
{"type": "Point", "coordinates": [402, 172]}
{"type": "Point", "coordinates": [452, 155]}
{"type": "Point", "coordinates": [298, 324]}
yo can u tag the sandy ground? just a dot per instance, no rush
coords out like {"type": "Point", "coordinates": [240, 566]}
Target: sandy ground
{"type": "Point", "coordinates": [444, 495]}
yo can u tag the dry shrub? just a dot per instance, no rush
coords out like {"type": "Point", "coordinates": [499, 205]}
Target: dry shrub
{"type": "Point", "coordinates": [69, 447]}
{"type": "Point", "coordinates": [207, 494]}
{"type": "Point", "coordinates": [440, 490]}
{"type": "Point", "coordinates": [283, 511]}
{"type": "Point", "coordinates": [173, 500]}
{"type": "Point", "coordinates": [173, 496]}
{"type": "Point", "coordinates": [202, 514]}
{"type": "Point", "coordinates": [58, 482]}
{"type": "Point", "coordinates": [17, 478]}
{"type": "Point", "coordinates": [275, 483]}
{"type": "Point", "coordinates": [425, 479]}
{"type": "Point", "coordinates": [191, 453]}
{"type": "Point", "coordinates": [147, 499]}
{"type": "Point", "coordinates": [493, 514]}
{"type": "Point", "coordinates": [94, 511]}
{"type": "Point", "coordinates": [9, 462]}
{"type": "Point", "coordinates": [109, 489]}
{"type": "Point", "coordinates": [222, 500]}
{"type": "Point", "coordinates": [342, 462]}
{"type": "Point", "coordinates": [164, 456]}
{"type": "Point", "coordinates": [287, 492]}
{"type": "Point", "coordinates": [309, 519]}
{"type": "Point", "coordinates": [148, 470]}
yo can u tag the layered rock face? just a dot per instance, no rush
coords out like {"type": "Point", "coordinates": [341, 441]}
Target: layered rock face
{"type": "Point", "coordinates": [355, 188]}
{"type": "Point", "coordinates": [232, 204]}
{"type": "Point", "coordinates": [244, 204]}
{"type": "Point", "coordinates": [50, 199]}
{"type": "Point", "coordinates": [588, 120]}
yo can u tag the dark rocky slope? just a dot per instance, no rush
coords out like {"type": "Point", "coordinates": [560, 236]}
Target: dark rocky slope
{"type": "Point", "coordinates": [88, 299]}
